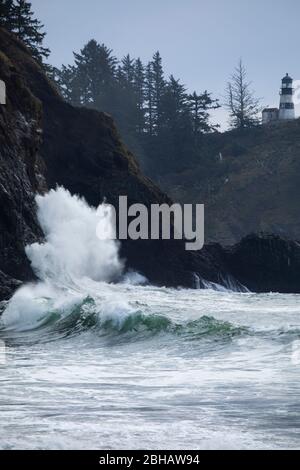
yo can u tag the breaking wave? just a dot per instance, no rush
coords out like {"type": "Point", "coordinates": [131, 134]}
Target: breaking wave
{"type": "Point", "coordinates": [109, 318]}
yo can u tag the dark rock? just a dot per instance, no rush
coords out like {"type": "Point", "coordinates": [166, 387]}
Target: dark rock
{"type": "Point", "coordinates": [20, 176]}
{"type": "Point", "coordinates": [266, 263]}
{"type": "Point", "coordinates": [7, 285]}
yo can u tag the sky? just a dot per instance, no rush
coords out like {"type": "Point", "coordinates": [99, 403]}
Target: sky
{"type": "Point", "coordinates": [200, 41]}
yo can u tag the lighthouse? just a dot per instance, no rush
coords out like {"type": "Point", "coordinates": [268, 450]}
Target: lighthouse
{"type": "Point", "coordinates": [287, 107]}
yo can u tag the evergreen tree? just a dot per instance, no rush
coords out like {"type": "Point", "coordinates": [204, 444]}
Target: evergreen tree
{"type": "Point", "coordinates": [127, 68]}
{"type": "Point", "coordinates": [28, 29]}
{"type": "Point", "coordinates": [149, 95]}
{"type": "Point", "coordinates": [240, 100]}
{"type": "Point", "coordinates": [119, 76]}
{"type": "Point", "coordinates": [174, 105]}
{"type": "Point", "coordinates": [158, 89]}
{"type": "Point", "coordinates": [7, 18]}
{"type": "Point", "coordinates": [125, 109]}
{"type": "Point", "coordinates": [139, 91]}
{"type": "Point", "coordinates": [70, 84]}
{"type": "Point", "coordinates": [127, 112]}
{"type": "Point", "coordinates": [95, 70]}
{"type": "Point", "coordinates": [200, 106]}
{"type": "Point", "coordinates": [175, 133]}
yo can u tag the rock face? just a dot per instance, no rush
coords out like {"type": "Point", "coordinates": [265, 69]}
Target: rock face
{"type": "Point", "coordinates": [20, 175]}
{"type": "Point", "coordinates": [265, 263]}
{"type": "Point", "coordinates": [45, 142]}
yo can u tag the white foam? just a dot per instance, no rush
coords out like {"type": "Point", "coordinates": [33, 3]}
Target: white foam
{"type": "Point", "coordinates": [72, 249]}
{"type": "Point", "coordinates": [33, 303]}
{"type": "Point", "coordinates": [71, 257]}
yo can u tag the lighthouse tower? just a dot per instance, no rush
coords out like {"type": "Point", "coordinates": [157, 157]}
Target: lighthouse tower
{"type": "Point", "coordinates": [286, 108]}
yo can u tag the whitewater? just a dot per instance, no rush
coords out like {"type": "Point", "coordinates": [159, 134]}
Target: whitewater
{"type": "Point", "coordinates": [97, 358]}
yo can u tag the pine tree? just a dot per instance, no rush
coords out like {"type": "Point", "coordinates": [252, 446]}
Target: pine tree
{"type": "Point", "coordinates": [174, 105]}
{"type": "Point", "coordinates": [127, 68]}
{"type": "Point", "coordinates": [175, 132]}
{"type": "Point", "coordinates": [240, 100]}
{"type": "Point", "coordinates": [158, 89]}
{"type": "Point", "coordinates": [200, 106]}
{"type": "Point", "coordinates": [139, 91]}
{"type": "Point", "coordinates": [29, 29]}
{"type": "Point", "coordinates": [125, 109]}
{"type": "Point", "coordinates": [95, 69]}
{"type": "Point", "coordinates": [69, 84]}
{"type": "Point", "coordinates": [119, 75]}
{"type": "Point", "coordinates": [149, 96]}
{"type": "Point", "coordinates": [7, 14]}
{"type": "Point", "coordinates": [92, 80]}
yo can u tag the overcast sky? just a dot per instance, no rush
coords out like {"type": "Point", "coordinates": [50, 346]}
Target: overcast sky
{"type": "Point", "coordinates": [200, 41]}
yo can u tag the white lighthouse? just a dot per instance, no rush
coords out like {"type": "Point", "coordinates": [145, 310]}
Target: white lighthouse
{"type": "Point", "coordinates": [287, 107]}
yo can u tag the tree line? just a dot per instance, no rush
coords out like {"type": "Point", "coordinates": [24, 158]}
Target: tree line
{"type": "Point", "coordinates": [156, 115]}
{"type": "Point", "coordinates": [158, 118]}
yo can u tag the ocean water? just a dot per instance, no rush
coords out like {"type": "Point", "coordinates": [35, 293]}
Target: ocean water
{"type": "Point", "coordinates": [95, 358]}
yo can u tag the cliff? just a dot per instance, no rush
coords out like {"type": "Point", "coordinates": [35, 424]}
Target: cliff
{"type": "Point", "coordinates": [20, 174]}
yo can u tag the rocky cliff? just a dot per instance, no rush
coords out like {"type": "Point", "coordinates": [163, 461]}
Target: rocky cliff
{"type": "Point", "coordinates": [21, 171]}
